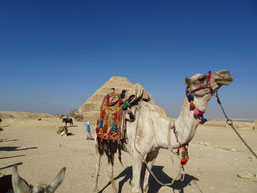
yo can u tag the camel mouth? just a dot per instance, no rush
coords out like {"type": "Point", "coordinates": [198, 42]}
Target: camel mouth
{"type": "Point", "coordinates": [223, 77]}
{"type": "Point", "coordinates": [227, 81]}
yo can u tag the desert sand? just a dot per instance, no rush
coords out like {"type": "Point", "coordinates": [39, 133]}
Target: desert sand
{"type": "Point", "coordinates": [217, 159]}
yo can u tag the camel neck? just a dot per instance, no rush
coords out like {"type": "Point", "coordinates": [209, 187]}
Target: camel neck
{"type": "Point", "coordinates": [186, 124]}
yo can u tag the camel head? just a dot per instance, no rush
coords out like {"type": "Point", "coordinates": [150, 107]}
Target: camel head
{"type": "Point", "coordinates": [203, 86]}
{"type": "Point", "coordinates": [208, 82]}
{"type": "Point", "coordinates": [138, 92]}
{"type": "Point", "coordinates": [21, 186]}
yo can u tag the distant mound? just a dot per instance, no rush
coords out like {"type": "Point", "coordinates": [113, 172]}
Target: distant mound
{"type": "Point", "coordinates": [253, 125]}
{"type": "Point", "coordinates": [237, 124]}
{"type": "Point", "coordinates": [22, 115]}
{"type": "Point", "coordinates": [91, 108]}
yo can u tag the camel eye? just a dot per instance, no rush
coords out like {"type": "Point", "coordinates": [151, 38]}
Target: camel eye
{"type": "Point", "coordinates": [202, 78]}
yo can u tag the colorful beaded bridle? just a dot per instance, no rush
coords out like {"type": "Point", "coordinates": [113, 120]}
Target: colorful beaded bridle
{"type": "Point", "coordinates": [190, 98]}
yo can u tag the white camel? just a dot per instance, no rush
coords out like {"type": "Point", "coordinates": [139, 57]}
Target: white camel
{"type": "Point", "coordinates": [19, 185]}
{"type": "Point", "coordinates": [149, 131]}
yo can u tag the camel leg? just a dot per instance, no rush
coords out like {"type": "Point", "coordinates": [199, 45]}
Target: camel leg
{"type": "Point", "coordinates": [136, 168]}
{"type": "Point", "coordinates": [97, 171]}
{"type": "Point", "coordinates": [150, 159]}
{"type": "Point", "coordinates": [110, 174]}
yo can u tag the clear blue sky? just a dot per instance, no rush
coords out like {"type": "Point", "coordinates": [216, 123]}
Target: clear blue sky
{"type": "Point", "coordinates": [56, 54]}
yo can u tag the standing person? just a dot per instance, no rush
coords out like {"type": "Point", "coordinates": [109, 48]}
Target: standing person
{"type": "Point", "coordinates": [89, 136]}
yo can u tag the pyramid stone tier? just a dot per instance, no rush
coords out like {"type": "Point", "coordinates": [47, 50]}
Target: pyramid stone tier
{"type": "Point", "coordinates": [91, 108]}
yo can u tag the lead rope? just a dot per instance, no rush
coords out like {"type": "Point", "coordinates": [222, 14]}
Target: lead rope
{"type": "Point", "coordinates": [149, 170]}
{"type": "Point", "coordinates": [182, 170]}
{"type": "Point", "coordinates": [230, 123]}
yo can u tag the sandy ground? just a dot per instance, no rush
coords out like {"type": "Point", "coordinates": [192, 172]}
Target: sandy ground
{"type": "Point", "coordinates": [217, 156]}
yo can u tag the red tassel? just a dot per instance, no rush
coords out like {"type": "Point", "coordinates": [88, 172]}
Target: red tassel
{"type": "Point", "coordinates": [183, 161]}
{"type": "Point", "coordinates": [192, 105]}
{"type": "Point", "coordinates": [184, 151]}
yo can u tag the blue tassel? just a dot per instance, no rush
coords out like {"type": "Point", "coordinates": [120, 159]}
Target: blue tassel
{"type": "Point", "coordinates": [101, 124]}
{"type": "Point", "coordinates": [204, 120]}
{"type": "Point", "coordinates": [190, 97]}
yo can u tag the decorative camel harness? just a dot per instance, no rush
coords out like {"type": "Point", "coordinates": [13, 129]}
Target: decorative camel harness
{"type": "Point", "coordinates": [197, 113]}
{"type": "Point", "coordinates": [190, 98]}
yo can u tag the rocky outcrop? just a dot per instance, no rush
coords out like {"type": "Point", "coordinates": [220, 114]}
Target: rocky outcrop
{"type": "Point", "coordinates": [91, 108]}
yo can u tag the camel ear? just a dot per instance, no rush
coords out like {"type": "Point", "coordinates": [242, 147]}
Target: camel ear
{"type": "Point", "coordinates": [187, 81]}
{"type": "Point", "coordinates": [19, 185]}
{"type": "Point", "coordinates": [57, 180]}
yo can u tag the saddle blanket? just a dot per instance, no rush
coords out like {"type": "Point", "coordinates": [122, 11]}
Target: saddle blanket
{"type": "Point", "coordinates": [109, 123]}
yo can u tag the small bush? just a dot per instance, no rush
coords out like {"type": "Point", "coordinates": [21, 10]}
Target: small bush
{"type": "Point", "coordinates": [76, 115]}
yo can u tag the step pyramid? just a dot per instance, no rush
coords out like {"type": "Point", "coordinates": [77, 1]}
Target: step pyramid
{"type": "Point", "coordinates": [91, 108]}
